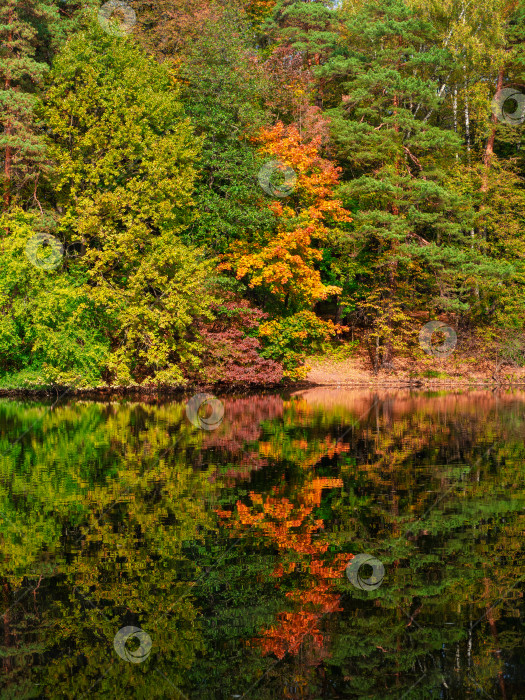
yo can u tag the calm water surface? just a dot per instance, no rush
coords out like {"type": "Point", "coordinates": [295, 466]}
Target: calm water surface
{"type": "Point", "coordinates": [144, 557]}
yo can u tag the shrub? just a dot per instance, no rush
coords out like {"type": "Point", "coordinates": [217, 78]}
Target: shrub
{"type": "Point", "coordinates": [290, 339]}
{"type": "Point", "coordinates": [231, 353]}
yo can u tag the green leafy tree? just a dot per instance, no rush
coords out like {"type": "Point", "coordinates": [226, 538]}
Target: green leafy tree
{"type": "Point", "coordinates": [224, 89]}
{"type": "Point", "coordinates": [124, 176]}
{"type": "Point", "coordinates": [50, 332]}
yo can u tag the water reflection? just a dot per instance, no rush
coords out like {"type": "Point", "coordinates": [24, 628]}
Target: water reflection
{"type": "Point", "coordinates": [228, 548]}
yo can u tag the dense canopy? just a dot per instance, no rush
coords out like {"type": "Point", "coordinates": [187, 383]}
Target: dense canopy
{"type": "Point", "coordinates": [213, 191]}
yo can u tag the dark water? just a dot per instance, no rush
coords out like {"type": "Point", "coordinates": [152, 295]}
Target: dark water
{"type": "Point", "coordinates": [230, 550]}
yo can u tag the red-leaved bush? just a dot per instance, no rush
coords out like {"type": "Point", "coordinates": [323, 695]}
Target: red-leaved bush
{"type": "Point", "coordinates": [231, 355]}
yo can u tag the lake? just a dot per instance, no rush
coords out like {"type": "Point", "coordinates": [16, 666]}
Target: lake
{"type": "Point", "coordinates": [324, 543]}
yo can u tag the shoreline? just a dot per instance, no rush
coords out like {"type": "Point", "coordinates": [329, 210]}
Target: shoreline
{"type": "Point", "coordinates": [111, 392]}
{"type": "Point", "coordinates": [323, 372]}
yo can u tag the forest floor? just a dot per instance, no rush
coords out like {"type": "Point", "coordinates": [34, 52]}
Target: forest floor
{"type": "Point", "coordinates": [439, 373]}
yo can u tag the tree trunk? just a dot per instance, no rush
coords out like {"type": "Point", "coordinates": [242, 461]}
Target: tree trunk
{"type": "Point", "coordinates": [489, 149]}
{"type": "Point", "coordinates": [8, 129]}
{"type": "Point", "coordinates": [467, 116]}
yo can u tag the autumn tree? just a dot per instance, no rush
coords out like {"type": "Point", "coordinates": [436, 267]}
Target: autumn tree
{"type": "Point", "coordinates": [232, 352]}
{"type": "Point", "coordinates": [282, 265]}
{"type": "Point", "coordinates": [167, 27]}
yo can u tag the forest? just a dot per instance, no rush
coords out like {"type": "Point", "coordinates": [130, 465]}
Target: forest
{"type": "Point", "coordinates": [206, 191]}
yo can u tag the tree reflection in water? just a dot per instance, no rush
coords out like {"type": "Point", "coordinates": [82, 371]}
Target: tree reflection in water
{"type": "Point", "coordinates": [229, 547]}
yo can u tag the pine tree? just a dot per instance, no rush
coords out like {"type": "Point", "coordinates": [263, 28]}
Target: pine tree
{"type": "Point", "coordinates": [31, 33]}
{"type": "Point", "coordinates": [411, 226]}
{"type": "Point", "coordinates": [306, 27]}
{"type": "Point", "coordinates": [301, 36]}
{"type": "Point", "coordinates": [25, 28]}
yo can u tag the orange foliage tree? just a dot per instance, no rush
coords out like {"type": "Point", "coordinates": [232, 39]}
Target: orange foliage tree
{"type": "Point", "coordinates": [282, 262]}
